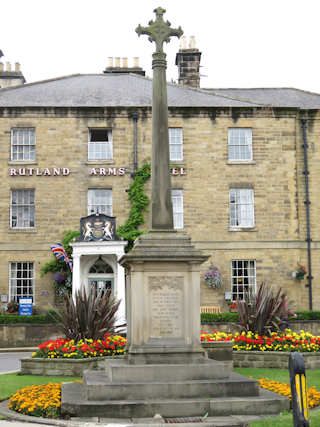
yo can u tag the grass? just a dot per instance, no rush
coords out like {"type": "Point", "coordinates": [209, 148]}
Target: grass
{"type": "Point", "coordinates": [282, 375]}
{"type": "Point", "coordinates": [10, 383]}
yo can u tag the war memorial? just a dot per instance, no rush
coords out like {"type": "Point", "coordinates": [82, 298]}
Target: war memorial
{"type": "Point", "coordinates": [165, 371]}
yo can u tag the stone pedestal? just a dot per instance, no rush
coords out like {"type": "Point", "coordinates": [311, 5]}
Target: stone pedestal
{"type": "Point", "coordinates": [163, 299]}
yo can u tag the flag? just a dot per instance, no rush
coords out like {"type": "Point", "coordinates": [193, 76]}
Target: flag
{"type": "Point", "coordinates": [60, 253]}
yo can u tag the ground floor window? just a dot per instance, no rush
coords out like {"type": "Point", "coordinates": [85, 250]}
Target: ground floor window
{"type": "Point", "coordinates": [243, 278]}
{"type": "Point", "coordinates": [21, 277]}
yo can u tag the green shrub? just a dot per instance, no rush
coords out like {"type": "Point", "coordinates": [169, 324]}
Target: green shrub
{"type": "Point", "coordinates": [219, 317]}
{"type": "Point", "coordinates": [15, 318]}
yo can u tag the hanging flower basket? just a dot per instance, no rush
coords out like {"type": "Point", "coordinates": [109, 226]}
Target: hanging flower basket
{"type": "Point", "coordinates": [59, 276]}
{"type": "Point", "coordinates": [213, 277]}
{"type": "Point", "coordinates": [300, 272]}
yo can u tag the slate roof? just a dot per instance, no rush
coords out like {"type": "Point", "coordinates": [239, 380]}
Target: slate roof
{"type": "Point", "coordinates": [276, 97]}
{"type": "Point", "coordinates": [114, 90]}
{"type": "Point", "coordinates": [131, 90]}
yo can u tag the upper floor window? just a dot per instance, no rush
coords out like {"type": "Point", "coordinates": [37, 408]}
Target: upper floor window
{"type": "Point", "coordinates": [177, 205]}
{"type": "Point", "coordinates": [176, 144]}
{"type": "Point", "coordinates": [239, 144]}
{"type": "Point", "coordinates": [21, 278]}
{"type": "Point", "coordinates": [100, 144]}
{"type": "Point", "coordinates": [243, 278]}
{"type": "Point", "coordinates": [22, 208]}
{"type": "Point", "coordinates": [100, 201]}
{"type": "Point", "coordinates": [23, 144]}
{"type": "Point", "coordinates": [241, 207]}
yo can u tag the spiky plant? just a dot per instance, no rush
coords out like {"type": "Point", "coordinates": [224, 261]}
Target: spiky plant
{"type": "Point", "coordinates": [261, 313]}
{"type": "Point", "coordinates": [91, 315]}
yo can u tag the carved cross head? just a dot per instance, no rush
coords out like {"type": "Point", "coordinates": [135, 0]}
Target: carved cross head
{"type": "Point", "coordinates": [159, 31]}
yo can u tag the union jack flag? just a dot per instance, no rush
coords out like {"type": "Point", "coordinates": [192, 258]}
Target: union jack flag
{"type": "Point", "coordinates": [60, 253]}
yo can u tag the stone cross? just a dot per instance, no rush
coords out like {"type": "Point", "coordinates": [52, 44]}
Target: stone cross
{"type": "Point", "coordinates": [159, 32]}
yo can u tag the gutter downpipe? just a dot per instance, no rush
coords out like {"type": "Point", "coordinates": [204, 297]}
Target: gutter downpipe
{"type": "Point", "coordinates": [135, 142]}
{"type": "Point", "coordinates": [307, 203]}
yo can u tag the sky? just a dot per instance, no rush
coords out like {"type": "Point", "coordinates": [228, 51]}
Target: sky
{"type": "Point", "coordinates": [244, 43]}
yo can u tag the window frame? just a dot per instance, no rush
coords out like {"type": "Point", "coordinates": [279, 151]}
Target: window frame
{"type": "Point", "coordinates": [248, 144]}
{"type": "Point", "coordinates": [178, 215]}
{"type": "Point", "coordinates": [175, 141]}
{"type": "Point", "coordinates": [93, 145]}
{"type": "Point", "coordinates": [110, 205]}
{"type": "Point", "coordinates": [30, 157]}
{"type": "Point", "coordinates": [243, 280]}
{"type": "Point", "coordinates": [24, 206]}
{"type": "Point", "coordinates": [235, 209]}
{"type": "Point", "coordinates": [13, 296]}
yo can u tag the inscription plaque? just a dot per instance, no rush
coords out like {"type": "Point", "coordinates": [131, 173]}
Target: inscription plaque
{"type": "Point", "coordinates": [166, 306]}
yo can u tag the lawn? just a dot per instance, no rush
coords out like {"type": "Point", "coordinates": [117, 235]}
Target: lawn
{"type": "Point", "coordinates": [10, 383]}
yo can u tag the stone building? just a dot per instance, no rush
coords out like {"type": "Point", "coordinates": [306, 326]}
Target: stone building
{"type": "Point", "coordinates": [70, 145]}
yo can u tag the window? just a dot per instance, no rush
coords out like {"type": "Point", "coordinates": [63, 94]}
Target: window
{"type": "Point", "coordinates": [22, 208]}
{"type": "Point", "coordinates": [243, 278]}
{"type": "Point", "coordinates": [21, 277]}
{"type": "Point", "coordinates": [100, 144]}
{"type": "Point", "coordinates": [177, 205]}
{"type": "Point", "coordinates": [176, 144]}
{"type": "Point", "coordinates": [100, 201]}
{"type": "Point", "coordinates": [22, 144]}
{"type": "Point", "coordinates": [241, 208]}
{"type": "Point", "coordinates": [239, 144]}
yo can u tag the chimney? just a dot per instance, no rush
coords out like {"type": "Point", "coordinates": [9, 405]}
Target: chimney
{"type": "Point", "coordinates": [114, 66]}
{"type": "Point", "coordinates": [188, 62]}
{"type": "Point", "coordinates": [10, 77]}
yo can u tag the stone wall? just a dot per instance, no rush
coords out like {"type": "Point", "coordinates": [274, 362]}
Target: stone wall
{"type": "Point", "coordinates": [312, 326]}
{"type": "Point", "coordinates": [271, 359]}
{"type": "Point", "coordinates": [27, 335]}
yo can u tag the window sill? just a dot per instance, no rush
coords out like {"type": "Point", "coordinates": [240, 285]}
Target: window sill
{"type": "Point", "coordinates": [100, 162]}
{"type": "Point", "coordinates": [22, 230]}
{"type": "Point", "coordinates": [22, 162]}
{"type": "Point", "coordinates": [177, 162]}
{"type": "Point", "coordinates": [243, 229]}
{"type": "Point", "coordinates": [241, 162]}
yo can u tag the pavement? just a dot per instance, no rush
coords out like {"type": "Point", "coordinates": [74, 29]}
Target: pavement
{"type": "Point", "coordinates": [10, 361]}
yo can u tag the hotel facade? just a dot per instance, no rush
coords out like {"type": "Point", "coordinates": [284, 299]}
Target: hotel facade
{"type": "Point", "coordinates": [245, 178]}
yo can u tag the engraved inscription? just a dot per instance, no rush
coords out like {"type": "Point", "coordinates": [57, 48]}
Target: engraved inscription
{"type": "Point", "coordinates": [166, 306]}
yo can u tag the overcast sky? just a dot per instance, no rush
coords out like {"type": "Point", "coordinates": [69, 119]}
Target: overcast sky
{"type": "Point", "coordinates": [244, 43]}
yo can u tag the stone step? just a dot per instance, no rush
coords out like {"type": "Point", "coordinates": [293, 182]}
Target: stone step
{"type": "Point", "coordinates": [74, 403]}
{"type": "Point", "coordinates": [119, 371]}
{"type": "Point", "coordinates": [98, 388]}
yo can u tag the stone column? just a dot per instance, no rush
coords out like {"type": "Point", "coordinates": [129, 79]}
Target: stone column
{"type": "Point", "coordinates": [76, 277]}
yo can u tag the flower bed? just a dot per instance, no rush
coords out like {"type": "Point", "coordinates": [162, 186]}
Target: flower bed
{"type": "Point", "coordinates": [288, 341]}
{"type": "Point", "coordinates": [285, 390]}
{"type": "Point", "coordinates": [61, 348]}
{"type": "Point", "coordinates": [38, 400]}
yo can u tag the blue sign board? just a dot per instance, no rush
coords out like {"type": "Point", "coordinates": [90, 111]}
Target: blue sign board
{"type": "Point", "coordinates": [25, 306]}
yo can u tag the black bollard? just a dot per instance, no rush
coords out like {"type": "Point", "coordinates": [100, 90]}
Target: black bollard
{"type": "Point", "coordinates": [300, 408]}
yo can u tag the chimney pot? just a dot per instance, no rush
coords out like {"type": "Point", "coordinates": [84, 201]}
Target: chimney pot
{"type": "Point", "coordinates": [110, 61]}
{"type": "Point", "coordinates": [136, 62]}
{"type": "Point", "coordinates": [183, 43]}
{"type": "Point", "coordinates": [17, 67]}
{"type": "Point", "coordinates": [192, 43]}
{"type": "Point", "coordinates": [125, 62]}
{"type": "Point", "coordinates": [8, 66]}
{"type": "Point", "coordinates": [1, 66]}
{"type": "Point", "coordinates": [117, 59]}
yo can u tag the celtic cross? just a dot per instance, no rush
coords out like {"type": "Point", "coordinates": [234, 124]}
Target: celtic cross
{"type": "Point", "coordinates": [159, 31]}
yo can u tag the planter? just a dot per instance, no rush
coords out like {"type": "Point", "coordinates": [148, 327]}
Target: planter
{"type": "Point", "coordinates": [271, 359]}
{"type": "Point", "coordinates": [219, 350]}
{"type": "Point", "coordinates": [62, 367]}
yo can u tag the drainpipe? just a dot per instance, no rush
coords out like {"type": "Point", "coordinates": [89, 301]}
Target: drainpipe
{"type": "Point", "coordinates": [307, 203]}
{"type": "Point", "coordinates": [135, 142]}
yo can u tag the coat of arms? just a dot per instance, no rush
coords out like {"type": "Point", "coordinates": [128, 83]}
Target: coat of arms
{"type": "Point", "coordinates": [97, 227]}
